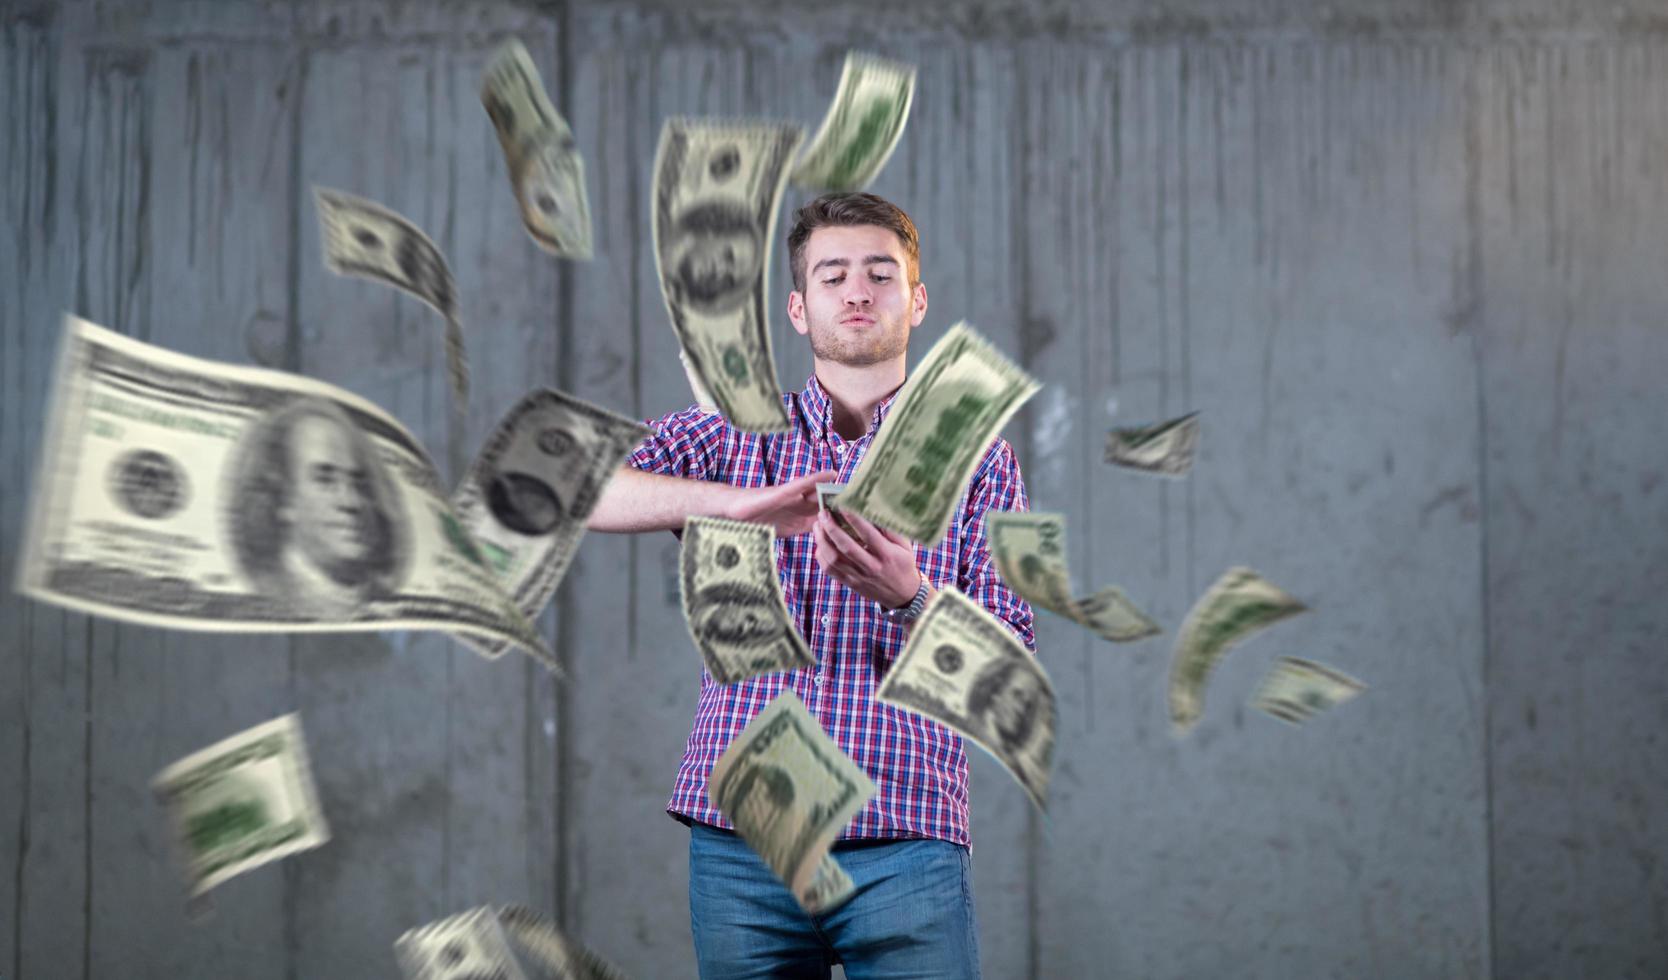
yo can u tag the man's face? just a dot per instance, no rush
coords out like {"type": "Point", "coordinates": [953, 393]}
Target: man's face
{"type": "Point", "coordinates": [330, 497]}
{"type": "Point", "coordinates": [858, 306]}
{"type": "Point", "coordinates": [1013, 708]}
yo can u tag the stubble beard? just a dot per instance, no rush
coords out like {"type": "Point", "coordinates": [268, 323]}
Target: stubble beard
{"type": "Point", "coordinates": [884, 341]}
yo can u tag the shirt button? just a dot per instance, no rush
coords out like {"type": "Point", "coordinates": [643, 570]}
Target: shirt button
{"type": "Point", "coordinates": [819, 680]}
{"type": "Point", "coordinates": [825, 623]}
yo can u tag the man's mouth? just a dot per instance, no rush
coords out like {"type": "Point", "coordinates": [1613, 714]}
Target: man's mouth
{"type": "Point", "coordinates": [858, 321]}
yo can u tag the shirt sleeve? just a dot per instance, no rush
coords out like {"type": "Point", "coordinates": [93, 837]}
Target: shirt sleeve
{"type": "Point", "coordinates": [685, 443]}
{"type": "Point", "coordinates": [996, 486]}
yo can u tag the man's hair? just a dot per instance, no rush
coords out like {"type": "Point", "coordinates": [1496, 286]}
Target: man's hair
{"type": "Point", "coordinates": [845, 211]}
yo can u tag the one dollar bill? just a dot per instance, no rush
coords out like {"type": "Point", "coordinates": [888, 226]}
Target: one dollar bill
{"type": "Point", "coordinates": [546, 170]}
{"type": "Point", "coordinates": [717, 186]}
{"type": "Point", "coordinates": [179, 492]}
{"type": "Point", "coordinates": [1165, 448]}
{"type": "Point", "coordinates": [963, 668]}
{"type": "Point", "coordinates": [862, 127]}
{"type": "Point", "coordinates": [935, 436]}
{"type": "Point", "coordinates": [243, 802]}
{"type": "Point", "coordinates": [368, 241]}
{"type": "Point", "coordinates": [1236, 605]}
{"type": "Point", "coordinates": [531, 488]}
{"type": "Point", "coordinates": [789, 790]}
{"type": "Point", "coordinates": [732, 600]}
{"type": "Point", "coordinates": [1030, 551]}
{"type": "Point", "coordinates": [1295, 690]}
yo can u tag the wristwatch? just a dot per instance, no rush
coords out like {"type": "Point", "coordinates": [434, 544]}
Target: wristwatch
{"type": "Point", "coordinates": [907, 614]}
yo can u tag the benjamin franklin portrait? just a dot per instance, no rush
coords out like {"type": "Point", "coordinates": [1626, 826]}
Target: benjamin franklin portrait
{"type": "Point", "coordinates": [315, 522]}
{"type": "Point", "coordinates": [715, 257]}
{"type": "Point", "coordinates": [1010, 702]}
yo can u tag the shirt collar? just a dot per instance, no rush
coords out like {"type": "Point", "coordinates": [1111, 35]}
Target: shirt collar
{"type": "Point", "coordinates": [819, 409]}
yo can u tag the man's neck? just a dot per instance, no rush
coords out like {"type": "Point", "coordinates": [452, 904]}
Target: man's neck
{"type": "Point", "coordinates": [855, 391]}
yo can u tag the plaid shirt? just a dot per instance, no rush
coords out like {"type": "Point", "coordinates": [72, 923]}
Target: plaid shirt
{"type": "Point", "coordinates": [918, 765]}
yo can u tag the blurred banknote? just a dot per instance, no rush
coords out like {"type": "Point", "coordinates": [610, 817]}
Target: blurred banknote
{"type": "Point", "coordinates": [703, 397]}
{"type": "Point", "coordinates": [471, 945]}
{"type": "Point", "coordinates": [530, 490]}
{"type": "Point", "coordinates": [546, 954]}
{"type": "Point", "coordinates": [1296, 690]}
{"type": "Point", "coordinates": [1165, 448]}
{"type": "Point", "coordinates": [789, 790]}
{"type": "Point", "coordinates": [717, 184]}
{"type": "Point", "coordinates": [364, 239]}
{"type": "Point", "coordinates": [862, 126]}
{"type": "Point", "coordinates": [962, 667]}
{"type": "Point", "coordinates": [243, 802]}
{"type": "Point", "coordinates": [935, 436]}
{"type": "Point", "coordinates": [732, 600]}
{"type": "Point", "coordinates": [174, 491]}
{"type": "Point", "coordinates": [1030, 550]}
{"type": "Point", "coordinates": [546, 171]}
{"type": "Point", "coordinates": [1239, 603]}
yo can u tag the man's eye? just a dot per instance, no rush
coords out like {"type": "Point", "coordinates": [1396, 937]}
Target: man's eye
{"type": "Point", "coordinates": [881, 278]}
{"type": "Point", "coordinates": [835, 281]}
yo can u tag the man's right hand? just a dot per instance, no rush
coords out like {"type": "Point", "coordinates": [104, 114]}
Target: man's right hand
{"type": "Point", "coordinates": [789, 507]}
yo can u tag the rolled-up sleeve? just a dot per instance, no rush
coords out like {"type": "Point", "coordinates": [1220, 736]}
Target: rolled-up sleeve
{"type": "Point", "coordinates": [997, 485]}
{"type": "Point", "coordinates": [684, 444]}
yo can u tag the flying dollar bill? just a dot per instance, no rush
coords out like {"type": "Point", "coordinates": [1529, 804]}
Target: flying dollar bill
{"type": "Point", "coordinates": [547, 953]}
{"type": "Point", "coordinates": [530, 490]}
{"type": "Point", "coordinates": [1030, 551]}
{"type": "Point", "coordinates": [862, 127]}
{"type": "Point", "coordinates": [546, 170]}
{"type": "Point", "coordinates": [935, 435]}
{"type": "Point", "coordinates": [732, 600]}
{"type": "Point", "coordinates": [717, 184]}
{"type": "Point", "coordinates": [471, 945]}
{"type": "Point", "coordinates": [174, 491]}
{"type": "Point", "coordinates": [962, 667]}
{"type": "Point", "coordinates": [1165, 448]}
{"type": "Point", "coordinates": [1296, 690]}
{"type": "Point", "coordinates": [243, 802]}
{"type": "Point", "coordinates": [366, 240]}
{"type": "Point", "coordinates": [789, 790]}
{"type": "Point", "coordinates": [1239, 603]}
{"type": "Point", "coordinates": [703, 398]}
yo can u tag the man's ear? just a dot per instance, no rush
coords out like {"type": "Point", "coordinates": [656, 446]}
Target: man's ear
{"type": "Point", "coordinates": [796, 312]}
{"type": "Point", "coordinates": [918, 304]}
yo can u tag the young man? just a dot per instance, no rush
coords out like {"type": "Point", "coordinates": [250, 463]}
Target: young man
{"type": "Point", "coordinates": [857, 295]}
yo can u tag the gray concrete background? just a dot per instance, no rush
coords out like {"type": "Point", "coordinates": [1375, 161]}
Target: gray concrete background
{"type": "Point", "coordinates": [1406, 256]}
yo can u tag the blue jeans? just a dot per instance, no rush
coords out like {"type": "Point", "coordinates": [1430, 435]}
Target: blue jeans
{"type": "Point", "coordinates": [910, 916]}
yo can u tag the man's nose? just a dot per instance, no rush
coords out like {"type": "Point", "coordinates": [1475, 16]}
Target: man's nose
{"type": "Point", "coordinates": [859, 295]}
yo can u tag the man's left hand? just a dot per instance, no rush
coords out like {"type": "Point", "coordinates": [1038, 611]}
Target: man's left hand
{"type": "Point", "coordinates": [875, 563]}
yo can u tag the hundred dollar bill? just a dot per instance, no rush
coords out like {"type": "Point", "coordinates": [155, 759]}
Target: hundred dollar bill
{"type": "Point", "coordinates": [789, 790]}
{"type": "Point", "coordinates": [243, 802]}
{"type": "Point", "coordinates": [174, 491]}
{"type": "Point", "coordinates": [530, 490]}
{"type": "Point", "coordinates": [471, 945]}
{"type": "Point", "coordinates": [364, 239]}
{"type": "Point", "coordinates": [1030, 551]}
{"type": "Point", "coordinates": [549, 955]}
{"type": "Point", "coordinates": [935, 435]}
{"type": "Point", "coordinates": [962, 667]}
{"type": "Point", "coordinates": [717, 184]}
{"type": "Point", "coordinates": [1239, 603]}
{"type": "Point", "coordinates": [827, 493]}
{"type": "Point", "coordinates": [546, 170]}
{"type": "Point", "coordinates": [1165, 448]}
{"type": "Point", "coordinates": [732, 600]}
{"type": "Point", "coordinates": [862, 127]}
{"type": "Point", "coordinates": [1296, 690]}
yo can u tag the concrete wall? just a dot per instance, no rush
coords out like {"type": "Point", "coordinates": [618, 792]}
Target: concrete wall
{"type": "Point", "coordinates": [1406, 257]}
